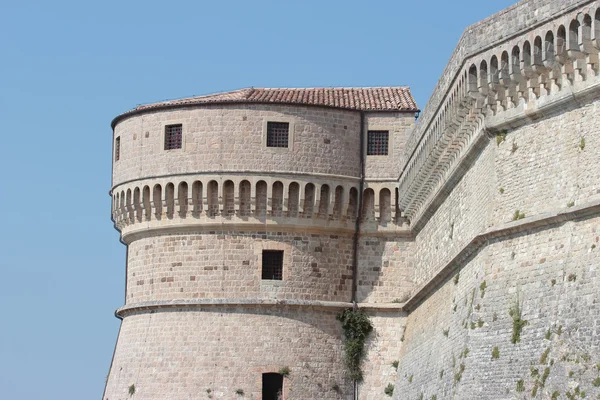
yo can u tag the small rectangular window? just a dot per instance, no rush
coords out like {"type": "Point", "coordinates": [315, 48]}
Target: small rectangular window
{"type": "Point", "coordinates": [173, 136]}
{"type": "Point", "coordinates": [272, 386]}
{"type": "Point", "coordinates": [377, 143]}
{"type": "Point", "coordinates": [277, 134]}
{"type": "Point", "coordinates": [117, 148]}
{"type": "Point", "coordinates": [272, 264]}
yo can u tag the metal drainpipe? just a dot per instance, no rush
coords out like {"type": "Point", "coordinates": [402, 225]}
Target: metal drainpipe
{"type": "Point", "coordinates": [361, 185]}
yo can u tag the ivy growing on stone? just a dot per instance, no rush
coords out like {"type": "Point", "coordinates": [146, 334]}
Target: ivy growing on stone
{"type": "Point", "coordinates": [357, 327]}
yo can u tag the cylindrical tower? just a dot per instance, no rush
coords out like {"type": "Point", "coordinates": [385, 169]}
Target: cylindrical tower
{"type": "Point", "coordinates": [239, 212]}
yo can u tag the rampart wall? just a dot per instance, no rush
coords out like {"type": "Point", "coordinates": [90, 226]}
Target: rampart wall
{"type": "Point", "coordinates": [508, 232]}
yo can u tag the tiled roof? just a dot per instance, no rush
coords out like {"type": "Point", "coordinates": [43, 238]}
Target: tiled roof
{"type": "Point", "coordinates": [365, 99]}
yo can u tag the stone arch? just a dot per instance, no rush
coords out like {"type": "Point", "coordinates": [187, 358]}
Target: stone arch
{"type": "Point", "coordinates": [129, 205]}
{"type": "Point", "coordinates": [596, 29]}
{"type": "Point", "coordinates": [170, 199]}
{"type": "Point", "coordinates": [548, 50]}
{"type": "Point", "coordinates": [245, 198]}
{"type": "Point", "coordinates": [157, 201]}
{"type": "Point", "coordinates": [277, 199]}
{"type": "Point", "coordinates": [228, 198]}
{"type": "Point", "coordinates": [483, 74]}
{"type": "Point", "coordinates": [182, 198]}
{"type": "Point", "coordinates": [585, 37]}
{"type": "Point", "coordinates": [309, 200]}
{"type": "Point", "coordinates": [324, 202]}
{"type": "Point", "coordinates": [504, 64]}
{"type": "Point", "coordinates": [137, 206]}
{"type": "Point", "coordinates": [261, 199]}
{"type": "Point", "coordinates": [197, 197]}
{"type": "Point", "coordinates": [293, 199]}
{"type": "Point", "coordinates": [147, 202]}
{"type": "Point", "coordinates": [212, 194]}
{"type": "Point", "coordinates": [538, 51]}
{"type": "Point", "coordinates": [473, 79]}
{"type": "Point", "coordinates": [573, 36]}
{"type": "Point", "coordinates": [494, 70]}
{"type": "Point", "coordinates": [385, 205]}
{"type": "Point", "coordinates": [515, 60]}
{"type": "Point", "coordinates": [337, 202]}
{"type": "Point", "coordinates": [368, 205]}
{"type": "Point", "coordinates": [352, 204]}
{"type": "Point", "coordinates": [526, 56]}
{"type": "Point", "coordinates": [560, 48]}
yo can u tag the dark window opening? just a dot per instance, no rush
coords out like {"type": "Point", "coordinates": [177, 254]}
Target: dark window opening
{"type": "Point", "coordinates": [173, 136]}
{"type": "Point", "coordinates": [377, 143]}
{"type": "Point", "coordinates": [272, 386]}
{"type": "Point", "coordinates": [117, 148]}
{"type": "Point", "coordinates": [272, 264]}
{"type": "Point", "coordinates": [277, 134]}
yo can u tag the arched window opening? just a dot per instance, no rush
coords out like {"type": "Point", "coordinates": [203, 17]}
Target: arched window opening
{"type": "Point", "coordinates": [182, 199]}
{"type": "Point", "coordinates": [573, 36]}
{"type": "Point", "coordinates": [170, 198]}
{"type": "Point", "coordinates": [137, 206]}
{"type": "Point", "coordinates": [157, 201]}
{"type": "Point", "coordinates": [352, 204]}
{"type": "Point", "coordinates": [197, 197]}
{"type": "Point", "coordinates": [483, 75]}
{"type": "Point", "coordinates": [245, 199]}
{"type": "Point", "coordinates": [385, 206]}
{"type": "Point", "coordinates": [277, 200]}
{"type": "Point", "coordinates": [212, 192]}
{"type": "Point", "coordinates": [261, 199]}
{"type": "Point", "coordinates": [130, 216]}
{"type": "Point", "coordinates": [228, 198]}
{"type": "Point", "coordinates": [337, 205]}
{"type": "Point", "coordinates": [293, 196]}
{"type": "Point", "coordinates": [494, 72]}
{"type": "Point", "coordinates": [309, 200]}
{"type": "Point", "coordinates": [527, 54]}
{"type": "Point", "coordinates": [147, 203]}
{"type": "Point", "coordinates": [324, 202]}
{"type": "Point", "coordinates": [368, 209]}
{"type": "Point", "coordinates": [538, 53]}
{"type": "Point", "coordinates": [473, 79]}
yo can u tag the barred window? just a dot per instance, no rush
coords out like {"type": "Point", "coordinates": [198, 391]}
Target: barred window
{"type": "Point", "coordinates": [377, 143]}
{"type": "Point", "coordinates": [117, 148]}
{"type": "Point", "coordinates": [173, 136]}
{"type": "Point", "coordinates": [277, 134]}
{"type": "Point", "coordinates": [272, 264]}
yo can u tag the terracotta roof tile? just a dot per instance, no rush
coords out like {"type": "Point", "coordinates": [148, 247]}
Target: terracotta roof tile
{"type": "Point", "coordinates": [364, 99]}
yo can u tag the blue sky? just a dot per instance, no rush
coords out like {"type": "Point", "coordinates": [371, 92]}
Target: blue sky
{"type": "Point", "coordinates": [67, 68]}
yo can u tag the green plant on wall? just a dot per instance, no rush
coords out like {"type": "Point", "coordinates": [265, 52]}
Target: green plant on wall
{"type": "Point", "coordinates": [357, 327]}
{"type": "Point", "coordinates": [131, 390]}
{"type": "Point", "coordinates": [389, 389]}
{"type": "Point", "coordinates": [501, 137]}
{"type": "Point", "coordinates": [516, 313]}
{"type": "Point", "coordinates": [582, 144]}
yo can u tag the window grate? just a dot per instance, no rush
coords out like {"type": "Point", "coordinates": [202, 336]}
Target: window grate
{"type": "Point", "coordinates": [173, 136]}
{"type": "Point", "coordinates": [377, 143]}
{"type": "Point", "coordinates": [117, 148]}
{"type": "Point", "coordinates": [272, 264]}
{"type": "Point", "coordinates": [277, 134]}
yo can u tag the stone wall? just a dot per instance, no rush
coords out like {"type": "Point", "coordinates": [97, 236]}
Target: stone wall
{"type": "Point", "coordinates": [227, 265]}
{"type": "Point", "coordinates": [231, 138]}
{"type": "Point", "coordinates": [399, 125]}
{"type": "Point", "coordinates": [211, 352]}
{"type": "Point", "coordinates": [550, 267]}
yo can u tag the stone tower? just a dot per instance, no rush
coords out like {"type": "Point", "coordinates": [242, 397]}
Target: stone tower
{"type": "Point", "coordinates": [251, 218]}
